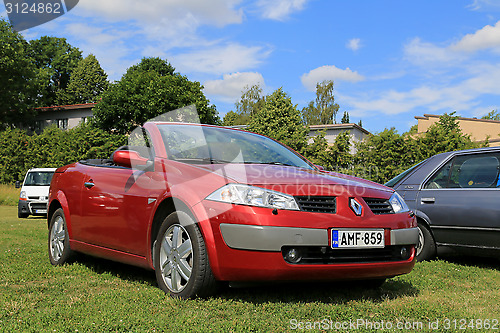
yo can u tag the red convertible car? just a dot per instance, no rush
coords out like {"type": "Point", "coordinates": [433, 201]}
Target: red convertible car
{"type": "Point", "coordinates": [202, 204]}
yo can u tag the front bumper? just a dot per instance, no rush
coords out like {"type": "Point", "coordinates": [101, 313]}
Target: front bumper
{"type": "Point", "coordinates": [23, 208]}
{"type": "Point", "coordinates": [270, 238]}
{"type": "Point", "coordinates": [248, 243]}
{"type": "Point", "coordinates": [32, 207]}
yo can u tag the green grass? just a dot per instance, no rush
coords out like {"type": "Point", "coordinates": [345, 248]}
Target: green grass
{"type": "Point", "coordinates": [95, 295]}
{"type": "Point", "coordinates": [9, 195]}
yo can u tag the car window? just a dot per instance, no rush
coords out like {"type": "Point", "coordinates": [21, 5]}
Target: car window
{"type": "Point", "coordinates": [200, 144]}
{"type": "Point", "coordinates": [477, 172]}
{"type": "Point", "coordinates": [468, 171]}
{"type": "Point", "coordinates": [403, 174]}
{"type": "Point", "coordinates": [38, 178]}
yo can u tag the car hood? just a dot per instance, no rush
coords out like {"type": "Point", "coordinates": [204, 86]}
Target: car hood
{"type": "Point", "coordinates": [270, 176]}
{"type": "Point", "coordinates": [36, 191]}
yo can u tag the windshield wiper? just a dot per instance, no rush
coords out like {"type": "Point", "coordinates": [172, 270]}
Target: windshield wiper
{"type": "Point", "coordinates": [214, 160]}
{"type": "Point", "coordinates": [270, 163]}
{"type": "Point", "coordinates": [280, 163]}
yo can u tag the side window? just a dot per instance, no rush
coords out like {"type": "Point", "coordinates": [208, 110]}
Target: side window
{"type": "Point", "coordinates": [440, 179]}
{"type": "Point", "coordinates": [468, 171]}
{"type": "Point", "coordinates": [140, 141]}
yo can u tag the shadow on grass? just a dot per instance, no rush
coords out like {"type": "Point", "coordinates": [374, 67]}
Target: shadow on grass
{"type": "Point", "coordinates": [323, 292]}
{"type": "Point", "coordinates": [480, 262]}
{"type": "Point", "coordinates": [263, 292]}
{"type": "Point", "coordinates": [117, 269]}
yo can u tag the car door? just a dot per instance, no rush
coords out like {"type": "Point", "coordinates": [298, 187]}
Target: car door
{"type": "Point", "coordinates": [117, 205]}
{"type": "Point", "coordinates": [462, 201]}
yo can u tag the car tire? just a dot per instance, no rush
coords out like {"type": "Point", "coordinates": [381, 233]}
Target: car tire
{"type": "Point", "coordinates": [59, 250]}
{"type": "Point", "coordinates": [22, 215]}
{"type": "Point", "coordinates": [181, 262]}
{"type": "Point", "coordinates": [426, 246]}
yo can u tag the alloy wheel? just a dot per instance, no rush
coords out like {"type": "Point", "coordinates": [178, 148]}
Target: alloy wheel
{"type": "Point", "coordinates": [176, 258]}
{"type": "Point", "coordinates": [57, 238]}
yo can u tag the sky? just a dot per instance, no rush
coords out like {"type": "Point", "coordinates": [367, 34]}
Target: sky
{"type": "Point", "coordinates": [390, 60]}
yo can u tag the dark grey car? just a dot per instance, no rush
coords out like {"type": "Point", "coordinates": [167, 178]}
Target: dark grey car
{"type": "Point", "coordinates": [456, 198]}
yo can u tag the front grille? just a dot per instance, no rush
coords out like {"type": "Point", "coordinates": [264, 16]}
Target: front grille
{"type": "Point", "coordinates": [322, 255]}
{"type": "Point", "coordinates": [317, 204]}
{"type": "Point", "coordinates": [379, 206]}
{"type": "Point", "coordinates": [38, 206]}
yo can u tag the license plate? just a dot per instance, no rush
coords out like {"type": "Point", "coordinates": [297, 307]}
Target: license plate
{"type": "Point", "coordinates": [41, 211]}
{"type": "Point", "coordinates": [372, 238]}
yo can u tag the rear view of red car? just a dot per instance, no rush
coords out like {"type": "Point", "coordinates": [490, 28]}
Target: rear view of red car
{"type": "Point", "coordinates": [202, 204]}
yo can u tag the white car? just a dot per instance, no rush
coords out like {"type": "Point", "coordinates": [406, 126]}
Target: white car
{"type": "Point", "coordinates": [34, 192]}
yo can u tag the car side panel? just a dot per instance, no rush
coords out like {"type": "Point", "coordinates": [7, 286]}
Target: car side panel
{"type": "Point", "coordinates": [65, 189]}
{"type": "Point", "coordinates": [117, 212]}
{"type": "Point", "coordinates": [463, 216]}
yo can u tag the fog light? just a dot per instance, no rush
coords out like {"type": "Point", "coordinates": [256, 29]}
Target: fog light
{"type": "Point", "coordinates": [293, 256]}
{"type": "Point", "coordinates": [405, 253]}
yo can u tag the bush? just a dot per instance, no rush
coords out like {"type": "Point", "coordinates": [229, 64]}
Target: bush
{"type": "Point", "coordinates": [52, 148]}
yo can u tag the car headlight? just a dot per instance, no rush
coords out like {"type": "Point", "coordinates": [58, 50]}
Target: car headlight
{"type": "Point", "coordinates": [398, 204]}
{"type": "Point", "coordinates": [253, 196]}
{"type": "Point", "coordinates": [22, 195]}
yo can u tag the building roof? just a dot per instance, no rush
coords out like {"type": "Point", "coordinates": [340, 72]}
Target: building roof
{"type": "Point", "coordinates": [338, 127]}
{"type": "Point", "coordinates": [66, 107]}
{"type": "Point", "coordinates": [427, 116]}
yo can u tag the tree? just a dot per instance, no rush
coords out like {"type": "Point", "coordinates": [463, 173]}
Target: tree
{"type": "Point", "coordinates": [55, 59]}
{"type": "Point", "coordinates": [341, 152]}
{"type": "Point", "coordinates": [318, 151]}
{"type": "Point", "coordinates": [87, 82]}
{"type": "Point", "coordinates": [279, 119]}
{"type": "Point", "coordinates": [146, 91]}
{"type": "Point", "coordinates": [443, 136]}
{"type": "Point", "coordinates": [345, 118]}
{"type": "Point", "coordinates": [493, 115]}
{"type": "Point", "coordinates": [230, 118]}
{"type": "Point", "coordinates": [153, 64]}
{"type": "Point", "coordinates": [324, 110]}
{"type": "Point", "coordinates": [250, 102]}
{"type": "Point", "coordinates": [382, 156]}
{"type": "Point", "coordinates": [18, 79]}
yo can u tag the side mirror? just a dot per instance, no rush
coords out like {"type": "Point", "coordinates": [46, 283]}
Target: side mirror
{"type": "Point", "coordinates": [18, 184]}
{"type": "Point", "coordinates": [130, 158]}
{"type": "Point", "coordinates": [320, 168]}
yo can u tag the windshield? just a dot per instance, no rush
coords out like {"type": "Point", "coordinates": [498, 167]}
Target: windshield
{"type": "Point", "coordinates": [38, 178]}
{"type": "Point", "coordinates": [209, 145]}
{"type": "Point", "coordinates": [399, 177]}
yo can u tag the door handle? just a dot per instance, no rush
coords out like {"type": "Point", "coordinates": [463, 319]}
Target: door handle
{"type": "Point", "coordinates": [428, 200]}
{"type": "Point", "coordinates": [89, 184]}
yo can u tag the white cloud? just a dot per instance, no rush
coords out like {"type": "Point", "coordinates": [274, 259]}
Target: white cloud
{"type": "Point", "coordinates": [484, 110]}
{"type": "Point", "coordinates": [197, 12]}
{"type": "Point", "coordinates": [463, 96]}
{"type": "Point", "coordinates": [279, 9]}
{"type": "Point", "coordinates": [232, 85]}
{"type": "Point", "coordinates": [485, 38]}
{"type": "Point", "coordinates": [484, 5]}
{"type": "Point", "coordinates": [221, 59]}
{"type": "Point", "coordinates": [354, 44]}
{"type": "Point", "coordinates": [107, 43]}
{"type": "Point", "coordinates": [309, 80]}
{"type": "Point", "coordinates": [428, 54]}
{"type": "Point", "coordinates": [424, 53]}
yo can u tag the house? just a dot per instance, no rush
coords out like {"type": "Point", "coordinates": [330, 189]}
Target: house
{"type": "Point", "coordinates": [479, 130]}
{"type": "Point", "coordinates": [65, 116]}
{"type": "Point", "coordinates": [356, 132]}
